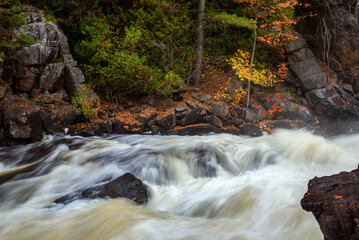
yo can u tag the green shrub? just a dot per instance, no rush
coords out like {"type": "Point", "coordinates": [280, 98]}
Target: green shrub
{"type": "Point", "coordinates": [81, 101]}
{"type": "Point", "coordinates": [150, 55]}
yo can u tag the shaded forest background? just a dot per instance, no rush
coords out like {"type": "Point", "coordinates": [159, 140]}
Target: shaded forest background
{"type": "Point", "coordinates": [148, 46]}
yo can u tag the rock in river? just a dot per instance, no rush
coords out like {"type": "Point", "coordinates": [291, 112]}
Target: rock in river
{"type": "Point", "coordinates": [334, 202]}
{"type": "Point", "coordinates": [126, 186]}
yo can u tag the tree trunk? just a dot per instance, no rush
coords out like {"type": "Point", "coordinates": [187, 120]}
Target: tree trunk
{"type": "Point", "coordinates": [200, 36]}
{"type": "Point", "coordinates": [252, 57]}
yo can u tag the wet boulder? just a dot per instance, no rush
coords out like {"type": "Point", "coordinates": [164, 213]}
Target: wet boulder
{"type": "Point", "coordinates": [237, 112]}
{"type": "Point", "coordinates": [58, 119]}
{"type": "Point", "coordinates": [147, 114]}
{"type": "Point", "coordinates": [250, 130]}
{"type": "Point", "coordinates": [333, 200]}
{"type": "Point", "coordinates": [235, 122]}
{"type": "Point", "coordinates": [251, 116]}
{"type": "Point", "coordinates": [127, 125]}
{"type": "Point", "coordinates": [198, 129]}
{"type": "Point", "coordinates": [344, 112]}
{"type": "Point", "coordinates": [327, 101]}
{"type": "Point", "coordinates": [347, 97]}
{"type": "Point", "coordinates": [285, 123]}
{"type": "Point", "coordinates": [22, 120]}
{"type": "Point", "coordinates": [126, 186]}
{"type": "Point", "coordinates": [294, 111]}
{"type": "Point", "coordinates": [279, 107]}
{"type": "Point", "coordinates": [317, 95]}
{"type": "Point", "coordinates": [220, 109]}
{"type": "Point", "coordinates": [166, 120]}
{"type": "Point", "coordinates": [97, 129]}
{"type": "Point", "coordinates": [195, 116]}
{"type": "Point", "coordinates": [335, 128]}
{"type": "Point", "coordinates": [213, 120]}
{"type": "Point", "coordinates": [181, 112]}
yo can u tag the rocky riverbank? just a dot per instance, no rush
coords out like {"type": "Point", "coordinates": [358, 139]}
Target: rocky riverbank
{"type": "Point", "coordinates": [42, 91]}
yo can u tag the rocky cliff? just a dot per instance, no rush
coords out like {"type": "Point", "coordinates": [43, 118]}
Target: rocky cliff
{"type": "Point", "coordinates": [327, 93]}
{"type": "Point", "coordinates": [330, 36]}
{"type": "Point", "coordinates": [38, 83]}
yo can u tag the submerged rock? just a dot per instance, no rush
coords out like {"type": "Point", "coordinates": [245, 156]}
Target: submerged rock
{"type": "Point", "coordinates": [126, 186]}
{"type": "Point", "coordinates": [333, 200]}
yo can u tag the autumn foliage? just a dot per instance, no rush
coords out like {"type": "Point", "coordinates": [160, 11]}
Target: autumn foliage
{"type": "Point", "coordinates": [273, 23]}
{"type": "Point", "coordinates": [241, 65]}
{"type": "Point", "coordinates": [275, 19]}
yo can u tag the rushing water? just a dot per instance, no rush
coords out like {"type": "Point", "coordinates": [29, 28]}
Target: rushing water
{"type": "Point", "coordinates": [202, 187]}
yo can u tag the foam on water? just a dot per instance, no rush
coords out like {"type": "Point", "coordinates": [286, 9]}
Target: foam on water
{"type": "Point", "coordinates": [202, 187]}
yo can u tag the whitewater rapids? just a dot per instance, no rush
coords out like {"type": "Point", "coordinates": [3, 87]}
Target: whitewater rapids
{"type": "Point", "coordinates": [201, 187]}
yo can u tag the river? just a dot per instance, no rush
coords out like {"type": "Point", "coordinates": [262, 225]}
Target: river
{"type": "Point", "coordinates": [218, 186]}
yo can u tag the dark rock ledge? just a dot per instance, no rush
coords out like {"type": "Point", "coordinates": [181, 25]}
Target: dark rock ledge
{"type": "Point", "coordinates": [334, 201]}
{"type": "Point", "coordinates": [125, 186]}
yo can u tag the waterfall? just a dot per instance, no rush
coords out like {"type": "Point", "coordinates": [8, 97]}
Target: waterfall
{"type": "Point", "coordinates": [217, 186]}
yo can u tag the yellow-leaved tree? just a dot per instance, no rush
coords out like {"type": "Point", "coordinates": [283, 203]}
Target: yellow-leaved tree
{"type": "Point", "coordinates": [246, 71]}
{"type": "Point", "coordinates": [272, 24]}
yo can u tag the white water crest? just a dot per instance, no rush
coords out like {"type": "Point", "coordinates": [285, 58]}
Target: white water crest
{"type": "Point", "coordinates": [201, 187]}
